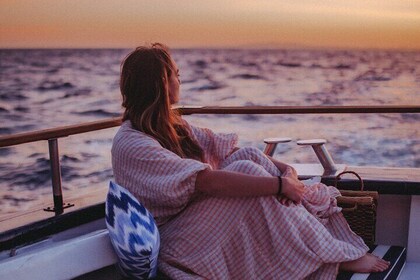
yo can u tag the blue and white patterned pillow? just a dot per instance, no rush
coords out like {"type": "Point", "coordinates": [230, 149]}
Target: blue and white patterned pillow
{"type": "Point", "coordinates": [133, 232]}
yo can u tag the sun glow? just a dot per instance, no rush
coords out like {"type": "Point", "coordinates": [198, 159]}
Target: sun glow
{"type": "Point", "coordinates": [199, 23]}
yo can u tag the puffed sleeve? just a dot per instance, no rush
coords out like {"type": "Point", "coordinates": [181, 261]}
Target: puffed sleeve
{"type": "Point", "coordinates": [160, 179]}
{"type": "Point", "coordinates": [217, 146]}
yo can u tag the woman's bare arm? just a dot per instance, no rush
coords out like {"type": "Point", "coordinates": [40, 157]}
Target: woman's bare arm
{"type": "Point", "coordinates": [234, 184]}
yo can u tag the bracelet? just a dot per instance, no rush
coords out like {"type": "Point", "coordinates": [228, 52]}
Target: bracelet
{"type": "Point", "coordinates": [280, 186]}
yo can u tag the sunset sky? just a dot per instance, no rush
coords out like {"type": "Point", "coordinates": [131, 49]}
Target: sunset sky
{"type": "Point", "coordinates": [210, 23]}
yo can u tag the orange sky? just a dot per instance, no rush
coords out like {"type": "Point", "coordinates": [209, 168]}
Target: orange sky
{"type": "Point", "coordinates": [210, 23]}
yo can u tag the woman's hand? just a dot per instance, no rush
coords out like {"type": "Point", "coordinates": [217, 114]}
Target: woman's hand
{"type": "Point", "coordinates": [292, 188]}
{"type": "Point", "coordinates": [291, 171]}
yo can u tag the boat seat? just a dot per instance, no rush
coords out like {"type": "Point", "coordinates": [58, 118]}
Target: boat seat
{"type": "Point", "coordinates": [60, 257]}
{"type": "Point", "coordinates": [394, 254]}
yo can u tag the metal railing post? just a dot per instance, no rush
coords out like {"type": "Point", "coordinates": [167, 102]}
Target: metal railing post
{"type": "Point", "coordinates": [271, 144]}
{"type": "Point", "coordinates": [55, 176]}
{"type": "Point", "coordinates": [324, 157]}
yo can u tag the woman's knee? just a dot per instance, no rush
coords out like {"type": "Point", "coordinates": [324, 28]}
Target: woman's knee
{"type": "Point", "coordinates": [251, 151]}
{"type": "Point", "coordinates": [247, 167]}
{"type": "Point", "coordinates": [247, 153]}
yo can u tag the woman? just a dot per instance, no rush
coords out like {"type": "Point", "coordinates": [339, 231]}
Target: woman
{"type": "Point", "coordinates": [223, 212]}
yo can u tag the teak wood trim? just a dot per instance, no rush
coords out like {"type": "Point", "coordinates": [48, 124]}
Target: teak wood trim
{"type": "Point", "coordinates": [65, 131]}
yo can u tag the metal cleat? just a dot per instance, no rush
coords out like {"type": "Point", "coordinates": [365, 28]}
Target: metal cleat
{"type": "Point", "coordinates": [330, 168]}
{"type": "Point", "coordinates": [272, 144]}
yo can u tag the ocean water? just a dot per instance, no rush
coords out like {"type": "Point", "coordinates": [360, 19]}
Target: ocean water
{"type": "Point", "coordinates": [41, 89]}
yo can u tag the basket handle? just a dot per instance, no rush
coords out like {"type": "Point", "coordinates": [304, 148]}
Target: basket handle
{"type": "Point", "coordinates": [338, 177]}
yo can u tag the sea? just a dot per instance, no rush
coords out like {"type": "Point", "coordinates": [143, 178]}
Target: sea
{"type": "Point", "coordinates": [48, 88]}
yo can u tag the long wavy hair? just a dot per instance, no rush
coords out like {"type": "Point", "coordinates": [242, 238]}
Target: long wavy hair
{"type": "Point", "coordinates": [145, 73]}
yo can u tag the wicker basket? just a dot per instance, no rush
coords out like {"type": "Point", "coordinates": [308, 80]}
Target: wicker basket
{"type": "Point", "coordinates": [359, 209]}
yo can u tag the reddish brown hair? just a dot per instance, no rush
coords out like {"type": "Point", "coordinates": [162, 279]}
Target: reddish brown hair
{"type": "Point", "coordinates": [144, 87]}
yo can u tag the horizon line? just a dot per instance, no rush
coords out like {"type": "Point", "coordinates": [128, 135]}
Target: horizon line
{"type": "Point", "coordinates": [239, 47]}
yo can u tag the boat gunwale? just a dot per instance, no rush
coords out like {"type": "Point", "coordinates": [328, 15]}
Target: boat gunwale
{"type": "Point", "coordinates": [36, 231]}
{"type": "Point", "coordinates": [64, 131]}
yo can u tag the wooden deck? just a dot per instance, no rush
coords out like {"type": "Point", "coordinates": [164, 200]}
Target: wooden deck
{"type": "Point", "coordinates": [387, 180]}
{"type": "Point", "coordinates": [388, 173]}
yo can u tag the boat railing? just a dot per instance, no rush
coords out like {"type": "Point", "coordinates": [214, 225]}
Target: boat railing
{"type": "Point", "coordinates": [52, 135]}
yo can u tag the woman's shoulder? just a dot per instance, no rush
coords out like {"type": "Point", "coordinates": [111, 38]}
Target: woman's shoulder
{"type": "Point", "coordinates": [127, 134]}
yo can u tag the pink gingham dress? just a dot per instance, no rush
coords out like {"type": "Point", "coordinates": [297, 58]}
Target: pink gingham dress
{"type": "Point", "coordinates": [206, 237]}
